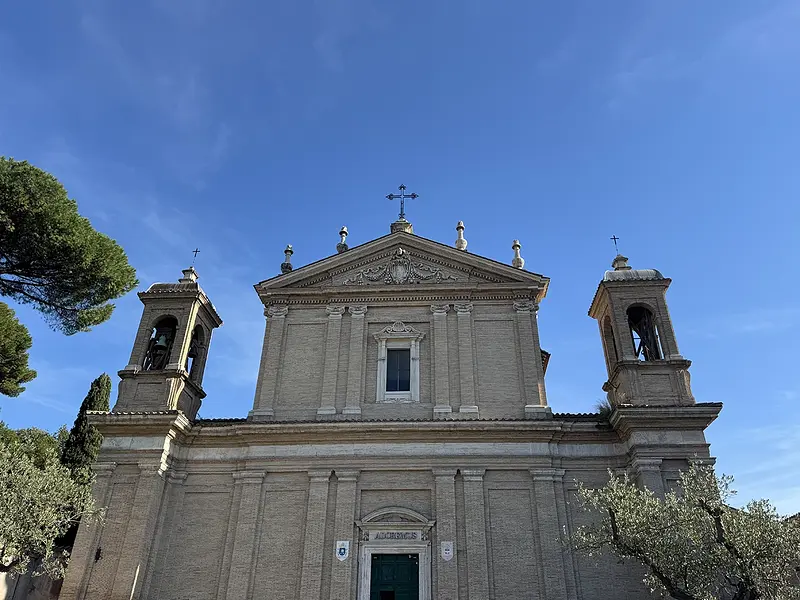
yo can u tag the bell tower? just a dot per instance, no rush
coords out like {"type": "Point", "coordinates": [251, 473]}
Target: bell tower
{"type": "Point", "coordinates": [644, 365]}
{"type": "Point", "coordinates": [165, 370]}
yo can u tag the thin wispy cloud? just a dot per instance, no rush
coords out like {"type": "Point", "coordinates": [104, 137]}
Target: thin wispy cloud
{"type": "Point", "coordinates": [770, 468]}
{"type": "Point", "coordinates": [338, 22]}
{"type": "Point", "coordinates": [765, 41]}
{"type": "Point", "coordinates": [754, 322]}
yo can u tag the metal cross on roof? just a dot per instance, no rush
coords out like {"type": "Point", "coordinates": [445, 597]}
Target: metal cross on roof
{"type": "Point", "coordinates": [402, 195]}
{"type": "Point", "coordinates": [614, 239]}
{"type": "Point", "coordinates": [195, 252]}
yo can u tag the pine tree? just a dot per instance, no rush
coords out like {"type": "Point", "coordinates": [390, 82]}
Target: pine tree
{"type": "Point", "coordinates": [83, 444]}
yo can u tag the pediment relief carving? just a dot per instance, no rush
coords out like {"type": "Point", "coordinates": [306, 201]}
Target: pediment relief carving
{"type": "Point", "coordinates": [399, 268]}
{"type": "Point", "coordinates": [399, 330]}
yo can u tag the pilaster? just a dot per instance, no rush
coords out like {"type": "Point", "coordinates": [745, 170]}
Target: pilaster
{"type": "Point", "coordinates": [647, 472]}
{"type": "Point", "coordinates": [264, 405]}
{"type": "Point", "coordinates": [173, 500]}
{"type": "Point", "coordinates": [331, 368]}
{"type": "Point", "coordinates": [442, 408]}
{"type": "Point", "coordinates": [551, 551]}
{"type": "Point", "coordinates": [342, 571]}
{"type": "Point", "coordinates": [183, 336]}
{"type": "Point", "coordinates": [475, 513]}
{"type": "Point", "coordinates": [532, 372]}
{"type": "Point", "coordinates": [466, 359]}
{"type": "Point", "coordinates": [88, 536]}
{"type": "Point", "coordinates": [446, 570]}
{"type": "Point", "coordinates": [311, 578]}
{"type": "Point", "coordinates": [668, 342]}
{"type": "Point", "coordinates": [139, 535]}
{"type": "Point", "coordinates": [355, 365]}
{"type": "Point", "coordinates": [250, 483]}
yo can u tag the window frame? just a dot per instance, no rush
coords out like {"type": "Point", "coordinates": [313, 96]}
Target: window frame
{"type": "Point", "coordinates": [398, 336]}
{"type": "Point", "coordinates": [391, 376]}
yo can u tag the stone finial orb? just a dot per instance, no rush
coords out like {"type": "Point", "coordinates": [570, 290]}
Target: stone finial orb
{"type": "Point", "coordinates": [342, 245]}
{"type": "Point", "coordinates": [518, 262]}
{"type": "Point", "coordinates": [461, 243]}
{"type": "Point", "coordinates": [286, 265]}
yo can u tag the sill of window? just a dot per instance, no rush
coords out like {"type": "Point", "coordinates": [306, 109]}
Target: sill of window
{"type": "Point", "coordinates": [396, 398]}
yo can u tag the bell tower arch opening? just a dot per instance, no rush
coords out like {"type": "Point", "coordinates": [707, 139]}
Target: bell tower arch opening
{"type": "Point", "coordinates": [196, 356]}
{"type": "Point", "coordinates": [644, 333]}
{"type": "Point", "coordinates": [159, 348]}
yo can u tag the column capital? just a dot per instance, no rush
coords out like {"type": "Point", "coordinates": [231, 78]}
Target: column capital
{"type": "Point", "coordinates": [347, 475]}
{"type": "Point", "coordinates": [446, 473]}
{"type": "Point", "coordinates": [357, 310]}
{"type": "Point", "coordinates": [276, 310]}
{"type": "Point", "coordinates": [319, 475]}
{"type": "Point", "coordinates": [547, 474]}
{"type": "Point", "coordinates": [104, 469]}
{"type": "Point", "coordinates": [525, 305]}
{"type": "Point", "coordinates": [463, 308]}
{"type": "Point", "coordinates": [334, 311]}
{"type": "Point", "coordinates": [146, 468]}
{"type": "Point", "coordinates": [472, 474]}
{"type": "Point", "coordinates": [249, 476]}
{"type": "Point", "coordinates": [440, 309]}
{"type": "Point", "coordinates": [176, 477]}
{"type": "Point", "coordinates": [640, 464]}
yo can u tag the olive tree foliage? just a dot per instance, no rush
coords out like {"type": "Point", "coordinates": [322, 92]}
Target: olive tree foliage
{"type": "Point", "coordinates": [694, 545]}
{"type": "Point", "coordinates": [52, 258]}
{"type": "Point", "coordinates": [14, 345]}
{"type": "Point", "coordinates": [39, 501]}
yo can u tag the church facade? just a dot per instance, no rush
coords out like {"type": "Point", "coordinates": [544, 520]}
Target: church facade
{"type": "Point", "coordinates": [400, 444]}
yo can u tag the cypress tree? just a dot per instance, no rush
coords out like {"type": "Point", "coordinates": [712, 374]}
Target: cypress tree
{"type": "Point", "coordinates": [83, 444]}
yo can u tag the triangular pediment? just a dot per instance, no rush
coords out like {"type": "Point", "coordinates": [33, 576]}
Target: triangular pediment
{"type": "Point", "coordinates": [402, 259]}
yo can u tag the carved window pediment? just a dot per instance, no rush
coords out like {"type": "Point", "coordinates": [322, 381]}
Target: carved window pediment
{"type": "Point", "coordinates": [398, 336]}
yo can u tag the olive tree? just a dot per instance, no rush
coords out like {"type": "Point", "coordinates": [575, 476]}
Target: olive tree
{"type": "Point", "coordinates": [39, 502]}
{"type": "Point", "coordinates": [694, 545]}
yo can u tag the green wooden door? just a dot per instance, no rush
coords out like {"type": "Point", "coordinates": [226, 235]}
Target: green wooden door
{"type": "Point", "coordinates": [394, 577]}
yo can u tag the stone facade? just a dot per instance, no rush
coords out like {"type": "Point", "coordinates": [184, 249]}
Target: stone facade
{"type": "Point", "coordinates": [468, 470]}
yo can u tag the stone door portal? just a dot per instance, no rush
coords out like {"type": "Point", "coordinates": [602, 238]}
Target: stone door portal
{"type": "Point", "coordinates": [394, 577]}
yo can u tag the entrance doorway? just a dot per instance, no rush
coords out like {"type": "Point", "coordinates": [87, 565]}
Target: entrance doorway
{"type": "Point", "coordinates": [394, 577]}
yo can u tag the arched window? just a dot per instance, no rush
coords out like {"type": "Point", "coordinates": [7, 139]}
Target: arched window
{"type": "Point", "coordinates": [610, 344]}
{"type": "Point", "coordinates": [644, 333]}
{"type": "Point", "coordinates": [159, 347]}
{"type": "Point", "coordinates": [196, 353]}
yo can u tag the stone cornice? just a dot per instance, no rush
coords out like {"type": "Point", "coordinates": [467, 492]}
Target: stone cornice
{"type": "Point", "coordinates": [197, 295]}
{"type": "Point", "coordinates": [237, 434]}
{"type": "Point", "coordinates": [412, 293]}
{"type": "Point", "coordinates": [172, 423]}
{"type": "Point", "coordinates": [628, 419]}
{"type": "Point", "coordinates": [638, 284]}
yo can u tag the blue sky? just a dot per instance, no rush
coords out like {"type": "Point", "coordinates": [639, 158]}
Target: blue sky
{"type": "Point", "coordinates": [239, 127]}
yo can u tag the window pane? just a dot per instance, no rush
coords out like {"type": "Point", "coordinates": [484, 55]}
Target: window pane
{"type": "Point", "coordinates": [398, 370]}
